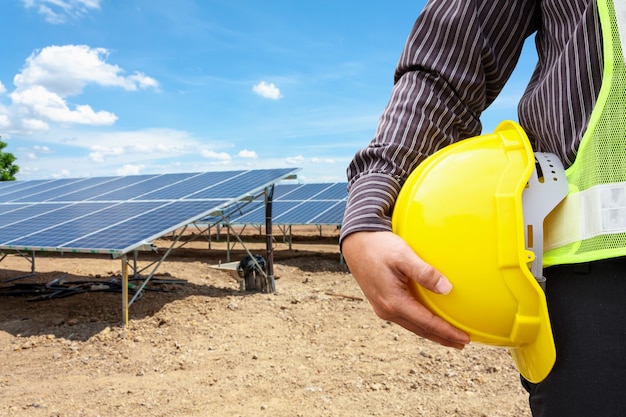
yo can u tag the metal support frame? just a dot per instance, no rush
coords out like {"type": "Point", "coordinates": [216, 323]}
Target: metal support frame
{"type": "Point", "coordinates": [230, 229]}
{"type": "Point", "coordinates": [136, 272]}
{"type": "Point", "coordinates": [268, 277]}
{"type": "Point", "coordinates": [30, 257]}
{"type": "Point", "coordinates": [229, 226]}
{"type": "Point", "coordinates": [269, 249]}
{"type": "Point", "coordinates": [125, 303]}
{"type": "Point", "coordinates": [287, 235]}
{"type": "Point", "coordinates": [128, 269]}
{"type": "Point", "coordinates": [269, 280]}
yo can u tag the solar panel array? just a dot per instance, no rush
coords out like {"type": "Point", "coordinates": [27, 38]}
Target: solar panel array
{"type": "Point", "coordinates": [117, 214]}
{"type": "Point", "coordinates": [299, 204]}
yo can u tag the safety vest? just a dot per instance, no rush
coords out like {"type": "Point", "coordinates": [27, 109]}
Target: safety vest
{"type": "Point", "coordinates": [590, 224]}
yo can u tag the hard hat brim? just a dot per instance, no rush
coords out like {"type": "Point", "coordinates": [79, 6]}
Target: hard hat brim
{"type": "Point", "coordinates": [535, 360]}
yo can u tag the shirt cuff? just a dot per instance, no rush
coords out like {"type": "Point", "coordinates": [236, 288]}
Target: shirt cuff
{"type": "Point", "coordinates": [371, 198]}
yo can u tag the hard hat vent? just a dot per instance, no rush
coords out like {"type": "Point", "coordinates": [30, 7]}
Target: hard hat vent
{"type": "Point", "coordinates": [545, 189]}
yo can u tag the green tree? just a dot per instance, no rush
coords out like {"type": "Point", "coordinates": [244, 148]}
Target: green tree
{"type": "Point", "coordinates": [7, 167]}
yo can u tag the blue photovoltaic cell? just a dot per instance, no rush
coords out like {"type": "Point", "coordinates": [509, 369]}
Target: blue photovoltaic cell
{"type": "Point", "coordinates": [56, 189]}
{"type": "Point", "coordinates": [332, 216]}
{"type": "Point", "coordinates": [21, 189]}
{"type": "Point", "coordinates": [257, 216]}
{"type": "Point", "coordinates": [52, 222]}
{"type": "Point", "coordinates": [297, 204]}
{"type": "Point", "coordinates": [337, 191]}
{"type": "Point", "coordinates": [304, 210]}
{"type": "Point", "coordinates": [141, 190]}
{"type": "Point", "coordinates": [236, 188]}
{"type": "Point", "coordinates": [281, 190]}
{"type": "Point", "coordinates": [8, 208]}
{"type": "Point", "coordinates": [306, 192]}
{"type": "Point", "coordinates": [185, 189]}
{"type": "Point", "coordinates": [13, 213]}
{"type": "Point", "coordinates": [107, 185]}
{"type": "Point", "coordinates": [117, 214]}
{"type": "Point", "coordinates": [147, 226]}
{"type": "Point", "coordinates": [39, 193]}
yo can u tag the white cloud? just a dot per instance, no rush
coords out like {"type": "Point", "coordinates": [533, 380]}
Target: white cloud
{"type": "Point", "coordinates": [141, 80]}
{"type": "Point", "coordinates": [66, 70]}
{"type": "Point", "coordinates": [132, 146]}
{"type": "Point", "coordinates": [159, 147]}
{"type": "Point", "coordinates": [64, 173]}
{"type": "Point", "coordinates": [295, 160]}
{"type": "Point", "coordinates": [52, 107]}
{"type": "Point", "coordinates": [2, 88]}
{"type": "Point", "coordinates": [54, 73]}
{"type": "Point", "coordinates": [37, 149]}
{"type": "Point", "coordinates": [130, 169]}
{"type": "Point", "coordinates": [99, 152]}
{"type": "Point", "coordinates": [316, 160]}
{"type": "Point", "coordinates": [143, 143]}
{"type": "Point", "coordinates": [91, 152]}
{"type": "Point", "coordinates": [59, 11]}
{"type": "Point", "coordinates": [30, 126]}
{"type": "Point", "coordinates": [220, 156]}
{"type": "Point", "coordinates": [247, 154]}
{"type": "Point", "coordinates": [267, 90]}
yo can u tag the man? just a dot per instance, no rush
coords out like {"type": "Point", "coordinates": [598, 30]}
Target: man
{"type": "Point", "coordinates": [457, 59]}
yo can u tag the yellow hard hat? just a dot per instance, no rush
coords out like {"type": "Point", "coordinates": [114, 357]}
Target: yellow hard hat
{"type": "Point", "coordinates": [474, 210]}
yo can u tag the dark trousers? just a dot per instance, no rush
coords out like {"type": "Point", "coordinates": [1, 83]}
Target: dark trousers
{"type": "Point", "coordinates": [587, 307]}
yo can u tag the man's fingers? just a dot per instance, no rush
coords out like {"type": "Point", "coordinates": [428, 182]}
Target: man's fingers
{"type": "Point", "coordinates": [419, 320]}
{"type": "Point", "coordinates": [385, 267]}
{"type": "Point", "coordinates": [424, 274]}
{"type": "Point", "coordinates": [439, 333]}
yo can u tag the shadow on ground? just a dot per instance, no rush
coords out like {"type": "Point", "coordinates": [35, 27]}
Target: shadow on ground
{"type": "Point", "coordinates": [84, 313]}
{"type": "Point", "coordinates": [81, 315]}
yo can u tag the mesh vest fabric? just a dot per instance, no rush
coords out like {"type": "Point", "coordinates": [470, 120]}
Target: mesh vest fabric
{"type": "Point", "coordinates": [601, 157]}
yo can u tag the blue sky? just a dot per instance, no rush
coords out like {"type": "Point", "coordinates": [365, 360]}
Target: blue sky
{"type": "Point", "coordinates": [119, 87]}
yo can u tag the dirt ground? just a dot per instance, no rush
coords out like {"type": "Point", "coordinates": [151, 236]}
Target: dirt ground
{"type": "Point", "coordinates": [196, 345]}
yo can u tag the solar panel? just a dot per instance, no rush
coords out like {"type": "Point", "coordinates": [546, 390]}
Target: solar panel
{"type": "Point", "coordinates": [13, 190]}
{"type": "Point", "coordinates": [117, 214]}
{"type": "Point", "coordinates": [50, 193]}
{"type": "Point", "coordinates": [299, 204]}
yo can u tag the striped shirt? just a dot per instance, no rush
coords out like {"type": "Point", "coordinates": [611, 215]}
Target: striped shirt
{"type": "Point", "coordinates": [456, 60]}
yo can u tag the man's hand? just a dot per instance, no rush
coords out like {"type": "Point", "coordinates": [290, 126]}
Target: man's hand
{"type": "Point", "coordinates": [383, 265]}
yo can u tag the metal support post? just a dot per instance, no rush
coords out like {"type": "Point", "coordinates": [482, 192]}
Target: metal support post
{"type": "Point", "coordinates": [125, 305]}
{"type": "Point", "coordinates": [269, 195]}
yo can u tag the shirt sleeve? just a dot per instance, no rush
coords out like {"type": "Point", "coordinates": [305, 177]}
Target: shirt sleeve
{"type": "Point", "coordinates": [456, 60]}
